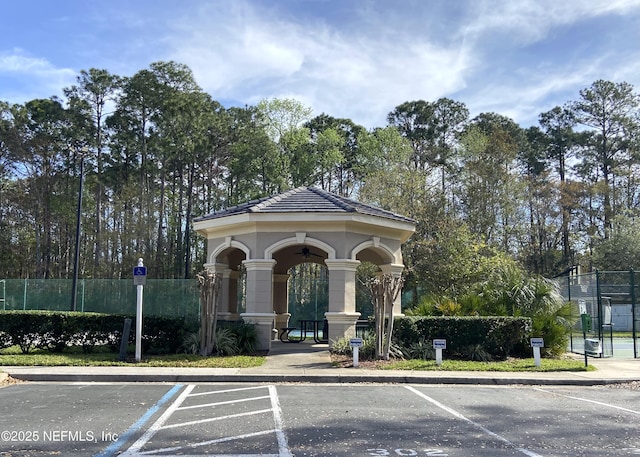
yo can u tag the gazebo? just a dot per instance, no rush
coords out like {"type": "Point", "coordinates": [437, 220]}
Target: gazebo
{"type": "Point", "coordinates": [268, 236]}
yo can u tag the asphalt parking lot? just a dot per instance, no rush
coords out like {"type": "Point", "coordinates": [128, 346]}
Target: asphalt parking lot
{"type": "Point", "coordinates": [38, 419]}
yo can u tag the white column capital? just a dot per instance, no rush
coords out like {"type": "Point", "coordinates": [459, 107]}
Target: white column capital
{"type": "Point", "coordinates": [259, 318]}
{"type": "Point", "coordinates": [342, 318]}
{"type": "Point", "coordinates": [342, 264]}
{"type": "Point", "coordinates": [259, 264]}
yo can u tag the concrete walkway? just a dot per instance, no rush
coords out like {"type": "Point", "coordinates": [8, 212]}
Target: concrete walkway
{"type": "Point", "coordinates": [304, 362]}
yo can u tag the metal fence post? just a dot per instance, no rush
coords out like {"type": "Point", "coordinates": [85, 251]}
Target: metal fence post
{"type": "Point", "coordinates": [82, 299]}
{"type": "Point", "coordinates": [24, 295]}
{"type": "Point", "coordinates": [599, 302]}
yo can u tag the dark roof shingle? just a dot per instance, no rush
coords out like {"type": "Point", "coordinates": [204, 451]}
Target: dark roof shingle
{"type": "Point", "coordinates": [306, 200]}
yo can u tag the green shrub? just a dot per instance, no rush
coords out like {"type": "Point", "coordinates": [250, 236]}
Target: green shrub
{"type": "Point", "coordinates": [5, 340]}
{"type": "Point", "coordinates": [232, 338]}
{"type": "Point", "coordinates": [226, 342]}
{"type": "Point", "coordinates": [161, 335]}
{"type": "Point", "coordinates": [33, 329]}
{"type": "Point", "coordinates": [500, 336]}
{"type": "Point", "coordinates": [246, 337]}
{"type": "Point", "coordinates": [341, 346]}
{"type": "Point", "coordinates": [421, 350]}
{"type": "Point", "coordinates": [476, 352]}
{"type": "Point", "coordinates": [57, 330]}
{"type": "Point", "coordinates": [367, 351]}
{"type": "Point", "coordinates": [191, 343]}
{"type": "Point", "coordinates": [555, 328]}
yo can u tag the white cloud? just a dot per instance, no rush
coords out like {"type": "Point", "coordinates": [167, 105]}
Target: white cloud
{"type": "Point", "coordinates": [362, 70]}
{"type": "Point", "coordinates": [32, 77]}
{"type": "Point", "coordinates": [250, 55]}
{"type": "Point", "coordinates": [352, 59]}
{"type": "Point", "coordinates": [527, 21]}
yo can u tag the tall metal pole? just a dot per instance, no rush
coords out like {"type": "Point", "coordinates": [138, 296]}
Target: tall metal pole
{"type": "Point", "coordinates": [634, 329]}
{"type": "Point", "coordinates": [139, 295]}
{"type": "Point", "coordinates": [76, 260]}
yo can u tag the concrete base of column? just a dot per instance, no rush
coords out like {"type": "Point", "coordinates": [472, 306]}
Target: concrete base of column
{"type": "Point", "coordinates": [264, 326]}
{"type": "Point", "coordinates": [223, 316]}
{"type": "Point", "coordinates": [341, 325]}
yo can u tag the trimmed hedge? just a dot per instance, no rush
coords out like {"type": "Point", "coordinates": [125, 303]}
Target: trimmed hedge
{"type": "Point", "coordinates": [56, 330]}
{"type": "Point", "coordinates": [500, 337]}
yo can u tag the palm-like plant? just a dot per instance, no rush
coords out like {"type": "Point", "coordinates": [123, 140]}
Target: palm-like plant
{"type": "Point", "coordinates": [510, 291]}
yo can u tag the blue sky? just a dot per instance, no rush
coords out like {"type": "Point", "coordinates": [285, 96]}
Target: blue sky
{"type": "Point", "coordinates": [356, 59]}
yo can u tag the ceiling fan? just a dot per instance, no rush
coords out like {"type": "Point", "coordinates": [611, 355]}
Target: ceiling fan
{"type": "Point", "coordinates": [306, 253]}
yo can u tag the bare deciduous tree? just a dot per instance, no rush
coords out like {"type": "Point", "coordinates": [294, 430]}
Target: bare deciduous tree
{"type": "Point", "coordinates": [209, 284]}
{"type": "Point", "coordinates": [384, 290]}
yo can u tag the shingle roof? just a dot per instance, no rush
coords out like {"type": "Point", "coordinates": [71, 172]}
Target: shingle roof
{"type": "Point", "coordinates": [306, 200]}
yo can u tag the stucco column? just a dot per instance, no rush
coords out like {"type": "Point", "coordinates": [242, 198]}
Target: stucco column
{"type": "Point", "coordinates": [281, 301]}
{"type": "Point", "coordinates": [260, 300]}
{"type": "Point", "coordinates": [394, 270]}
{"type": "Point", "coordinates": [224, 305]}
{"type": "Point", "coordinates": [342, 315]}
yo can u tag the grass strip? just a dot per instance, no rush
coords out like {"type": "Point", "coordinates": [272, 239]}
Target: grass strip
{"type": "Point", "coordinates": [11, 357]}
{"type": "Point", "coordinates": [511, 365]}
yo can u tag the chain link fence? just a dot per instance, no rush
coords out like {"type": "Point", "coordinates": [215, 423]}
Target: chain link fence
{"type": "Point", "coordinates": [607, 302]}
{"type": "Point", "coordinates": [162, 297]}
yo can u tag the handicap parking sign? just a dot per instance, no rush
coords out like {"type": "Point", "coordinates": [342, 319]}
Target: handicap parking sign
{"type": "Point", "coordinates": [139, 276]}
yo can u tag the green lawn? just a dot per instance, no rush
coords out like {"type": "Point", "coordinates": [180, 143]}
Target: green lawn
{"type": "Point", "coordinates": [513, 365]}
{"type": "Point", "coordinates": [14, 357]}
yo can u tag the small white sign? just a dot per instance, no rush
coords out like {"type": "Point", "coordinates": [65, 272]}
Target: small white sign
{"type": "Point", "coordinates": [537, 342]}
{"type": "Point", "coordinates": [440, 344]}
{"type": "Point", "coordinates": [355, 342]}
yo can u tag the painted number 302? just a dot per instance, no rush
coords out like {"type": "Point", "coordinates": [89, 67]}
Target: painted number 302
{"type": "Point", "coordinates": [426, 452]}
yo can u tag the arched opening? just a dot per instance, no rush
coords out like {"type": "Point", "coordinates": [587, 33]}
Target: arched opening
{"type": "Point", "coordinates": [228, 262]}
{"type": "Point", "coordinates": [308, 291]}
{"type": "Point", "coordinates": [375, 259]}
{"type": "Point", "coordinates": [301, 285]}
{"type": "Point", "coordinates": [365, 272]}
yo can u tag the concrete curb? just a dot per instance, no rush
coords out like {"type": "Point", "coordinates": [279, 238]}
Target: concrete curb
{"type": "Point", "coordinates": [313, 379]}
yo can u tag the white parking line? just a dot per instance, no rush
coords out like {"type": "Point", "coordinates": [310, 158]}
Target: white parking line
{"type": "Point", "coordinates": [214, 419]}
{"type": "Point", "coordinates": [588, 401]}
{"type": "Point", "coordinates": [230, 402]}
{"type": "Point", "coordinates": [283, 447]}
{"type": "Point", "coordinates": [135, 447]}
{"type": "Point", "coordinates": [225, 391]}
{"type": "Point", "coordinates": [475, 424]}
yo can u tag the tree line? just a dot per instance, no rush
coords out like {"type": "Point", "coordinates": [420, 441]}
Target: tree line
{"type": "Point", "coordinates": [158, 151]}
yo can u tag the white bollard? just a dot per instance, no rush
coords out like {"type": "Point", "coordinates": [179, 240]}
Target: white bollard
{"type": "Point", "coordinates": [439, 344]}
{"type": "Point", "coordinates": [536, 344]}
{"type": "Point", "coordinates": [355, 344]}
{"type": "Point", "coordinates": [536, 356]}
